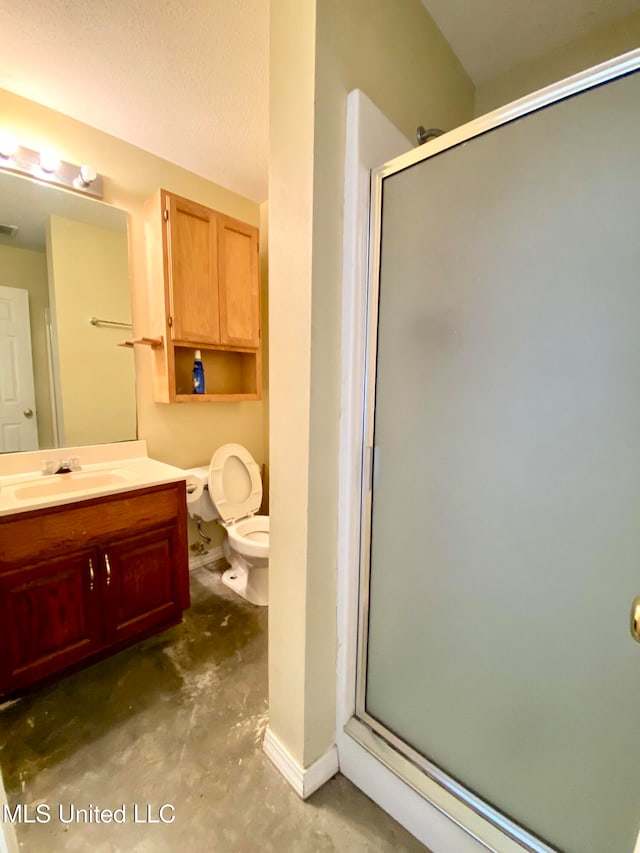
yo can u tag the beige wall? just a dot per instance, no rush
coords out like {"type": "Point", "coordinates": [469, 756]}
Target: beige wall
{"type": "Point", "coordinates": [397, 56]}
{"type": "Point", "coordinates": [292, 58]}
{"type": "Point", "coordinates": [600, 45]}
{"type": "Point", "coordinates": [182, 434]}
{"type": "Point", "coordinates": [393, 52]}
{"type": "Point", "coordinates": [27, 269]}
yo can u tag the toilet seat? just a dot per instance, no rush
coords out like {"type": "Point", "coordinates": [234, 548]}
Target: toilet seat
{"type": "Point", "coordinates": [235, 486]}
{"type": "Point", "coordinates": [250, 536]}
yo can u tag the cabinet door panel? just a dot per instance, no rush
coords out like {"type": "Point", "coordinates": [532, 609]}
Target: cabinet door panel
{"type": "Point", "coordinates": [140, 583]}
{"type": "Point", "coordinates": [238, 283]}
{"type": "Point", "coordinates": [50, 615]}
{"type": "Point", "coordinates": [193, 265]}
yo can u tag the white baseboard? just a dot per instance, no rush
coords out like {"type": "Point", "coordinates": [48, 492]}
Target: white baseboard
{"type": "Point", "coordinates": [303, 780]}
{"type": "Point", "coordinates": [215, 555]}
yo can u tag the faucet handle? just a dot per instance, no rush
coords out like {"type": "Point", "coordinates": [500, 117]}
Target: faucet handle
{"type": "Point", "coordinates": [48, 466]}
{"type": "Point", "coordinates": [74, 463]}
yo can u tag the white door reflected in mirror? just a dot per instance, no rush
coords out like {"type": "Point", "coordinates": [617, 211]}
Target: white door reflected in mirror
{"type": "Point", "coordinates": [18, 427]}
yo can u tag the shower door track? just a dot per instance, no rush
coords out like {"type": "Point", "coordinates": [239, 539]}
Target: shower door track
{"type": "Point", "coordinates": [485, 824]}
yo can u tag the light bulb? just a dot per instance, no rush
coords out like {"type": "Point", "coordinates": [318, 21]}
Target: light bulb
{"type": "Point", "coordinates": [87, 175]}
{"type": "Point", "coordinates": [8, 144]}
{"type": "Point", "coordinates": [49, 160]}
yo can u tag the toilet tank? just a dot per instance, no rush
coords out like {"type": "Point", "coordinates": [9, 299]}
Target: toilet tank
{"type": "Point", "coordinates": [199, 504]}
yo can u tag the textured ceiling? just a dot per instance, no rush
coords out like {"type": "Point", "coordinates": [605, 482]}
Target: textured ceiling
{"type": "Point", "coordinates": [492, 36]}
{"type": "Point", "coordinates": [187, 81]}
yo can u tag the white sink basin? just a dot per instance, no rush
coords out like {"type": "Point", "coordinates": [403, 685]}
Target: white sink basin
{"type": "Point", "coordinates": [107, 469]}
{"type": "Point", "coordinates": [76, 481]}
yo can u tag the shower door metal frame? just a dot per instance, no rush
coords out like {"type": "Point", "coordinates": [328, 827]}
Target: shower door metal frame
{"type": "Point", "coordinates": [482, 821]}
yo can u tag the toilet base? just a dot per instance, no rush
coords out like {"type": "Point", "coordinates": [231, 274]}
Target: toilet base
{"type": "Point", "coordinates": [250, 582]}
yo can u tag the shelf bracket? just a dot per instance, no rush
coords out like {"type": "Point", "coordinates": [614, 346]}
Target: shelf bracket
{"type": "Point", "coordinates": [154, 343]}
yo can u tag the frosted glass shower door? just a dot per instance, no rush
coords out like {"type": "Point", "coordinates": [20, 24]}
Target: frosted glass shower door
{"type": "Point", "coordinates": [504, 549]}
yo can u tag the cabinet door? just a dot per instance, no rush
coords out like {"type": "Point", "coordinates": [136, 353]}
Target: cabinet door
{"type": "Point", "coordinates": [238, 283]}
{"type": "Point", "coordinates": [141, 583]}
{"type": "Point", "coordinates": [50, 617]}
{"type": "Point", "coordinates": [193, 271]}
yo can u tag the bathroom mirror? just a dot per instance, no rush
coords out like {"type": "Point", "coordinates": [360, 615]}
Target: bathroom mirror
{"type": "Point", "coordinates": [63, 380]}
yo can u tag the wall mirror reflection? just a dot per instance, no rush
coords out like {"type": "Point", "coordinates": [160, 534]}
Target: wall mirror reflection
{"type": "Point", "coordinates": [63, 260]}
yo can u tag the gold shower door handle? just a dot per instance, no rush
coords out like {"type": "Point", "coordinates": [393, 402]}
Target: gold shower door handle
{"type": "Point", "coordinates": [635, 619]}
{"type": "Point", "coordinates": [107, 566]}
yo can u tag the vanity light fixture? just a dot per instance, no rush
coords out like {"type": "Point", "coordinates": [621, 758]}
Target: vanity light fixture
{"type": "Point", "coordinates": [47, 166]}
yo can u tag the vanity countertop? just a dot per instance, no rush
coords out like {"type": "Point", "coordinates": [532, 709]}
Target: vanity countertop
{"type": "Point", "coordinates": [104, 470]}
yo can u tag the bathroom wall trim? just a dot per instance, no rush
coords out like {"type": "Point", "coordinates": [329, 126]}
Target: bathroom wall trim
{"type": "Point", "coordinates": [303, 780]}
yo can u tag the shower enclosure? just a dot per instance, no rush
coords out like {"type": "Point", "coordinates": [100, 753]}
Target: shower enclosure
{"type": "Point", "coordinates": [497, 669]}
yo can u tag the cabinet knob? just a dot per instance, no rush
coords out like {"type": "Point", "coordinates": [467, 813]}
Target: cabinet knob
{"type": "Point", "coordinates": [107, 566]}
{"type": "Point", "coordinates": [92, 576]}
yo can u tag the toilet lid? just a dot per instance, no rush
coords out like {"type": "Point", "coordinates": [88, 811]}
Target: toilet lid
{"type": "Point", "coordinates": [235, 486]}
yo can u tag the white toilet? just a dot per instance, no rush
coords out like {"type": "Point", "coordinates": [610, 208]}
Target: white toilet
{"type": "Point", "coordinates": [230, 491]}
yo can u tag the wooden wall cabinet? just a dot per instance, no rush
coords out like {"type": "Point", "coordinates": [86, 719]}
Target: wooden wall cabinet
{"type": "Point", "coordinates": [81, 581]}
{"type": "Point", "coordinates": [203, 293]}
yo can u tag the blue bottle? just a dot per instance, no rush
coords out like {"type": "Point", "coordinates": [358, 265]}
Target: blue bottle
{"type": "Point", "coordinates": [198, 374]}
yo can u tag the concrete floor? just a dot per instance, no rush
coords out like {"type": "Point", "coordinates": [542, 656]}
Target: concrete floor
{"type": "Point", "coordinates": [178, 719]}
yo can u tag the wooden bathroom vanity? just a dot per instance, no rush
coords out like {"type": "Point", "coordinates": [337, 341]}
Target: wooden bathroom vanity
{"type": "Point", "coordinates": [81, 580]}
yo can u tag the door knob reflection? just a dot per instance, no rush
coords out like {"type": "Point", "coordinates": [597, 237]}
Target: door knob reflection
{"type": "Point", "coordinates": [635, 619]}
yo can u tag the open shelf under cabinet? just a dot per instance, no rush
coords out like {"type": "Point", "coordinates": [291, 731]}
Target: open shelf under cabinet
{"type": "Point", "coordinates": [230, 375]}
